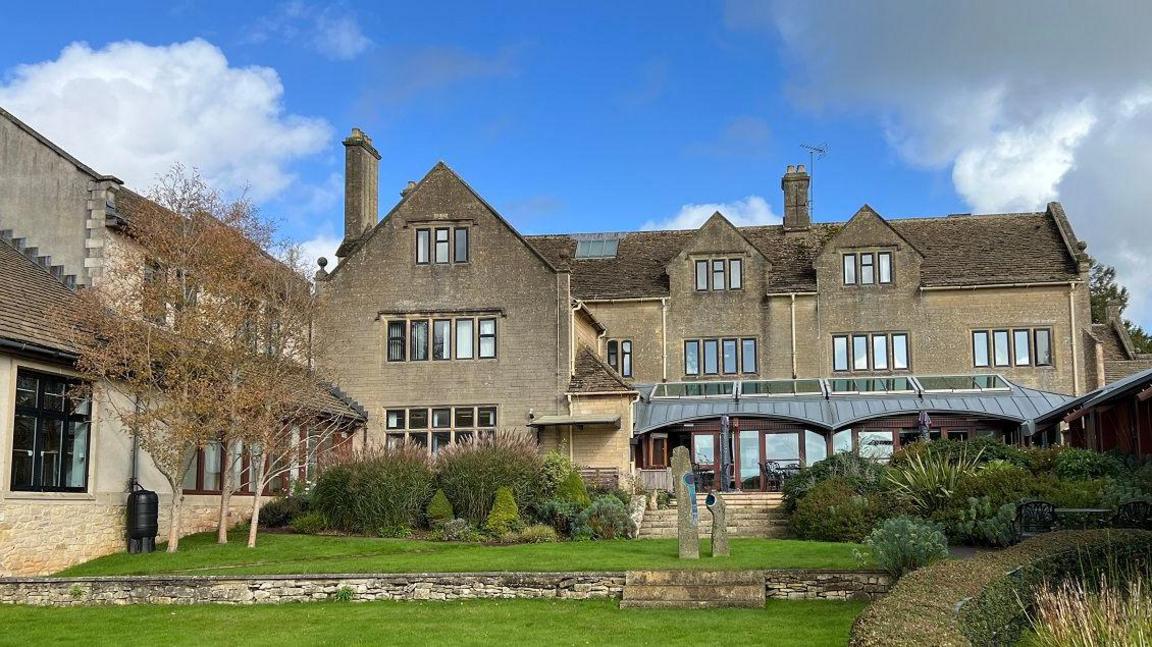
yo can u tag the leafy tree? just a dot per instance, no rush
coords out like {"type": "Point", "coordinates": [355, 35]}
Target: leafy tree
{"type": "Point", "coordinates": [1105, 291]}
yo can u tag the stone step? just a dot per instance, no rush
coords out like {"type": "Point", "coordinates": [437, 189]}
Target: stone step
{"type": "Point", "coordinates": [693, 589]}
{"type": "Point", "coordinates": [775, 532]}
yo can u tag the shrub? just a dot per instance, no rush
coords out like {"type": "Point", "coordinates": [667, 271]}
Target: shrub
{"type": "Point", "coordinates": [1085, 464]}
{"type": "Point", "coordinates": [903, 544]}
{"type": "Point", "coordinates": [928, 480]}
{"type": "Point", "coordinates": [458, 530]}
{"type": "Point", "coordinates": [505, 515]}
{"type": "Point", "coordinates": [440, 510]}
{"type": "Point", "coordinates": [861, 474]}
{"type": "Point", "coordinates": [985, 448]}
{"type": "Point", "coordinates": [471, 472]}
{"type": "Point", "coordinates": [279, 512]}
{"type": "Point", "coordinates": [538, 534]}
{"type": "Point", "coordinates": [554, 470]}
{"type": "Point", "coordinates": [605, 518]}
{"type": "Point", "coordinates": [559, 515]}
{"type": "Point", "coordinates": [309, 523]}
{"type": "Point", "coordinates": [572, 489]}
{"type": "Point", "coordinates": [982, 600]}
{"type": "Point", "coordinates": [1068, 493]}
{"type": "Point", "coordinates": [833, 511]}
{"type": "Point", "coordinates": [597, 491]}
{"type": "Point", "coordinates": [983, 523]}
{"type": "Point", "coordinates": [999, 482]}
{"type": "Point", "coordinates": [380, 491]}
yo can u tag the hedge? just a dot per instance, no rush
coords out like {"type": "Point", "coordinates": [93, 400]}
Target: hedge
{"type": "Point", "coordinates": [981, 601]}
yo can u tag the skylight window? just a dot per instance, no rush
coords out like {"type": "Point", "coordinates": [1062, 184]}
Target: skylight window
{"type": "Point", "coordinates": [597, 248]}
{"type": "Point", "coordinates": [950, 383]}
{"type": "Point", "coordinates": [781, 387]}
{"type": "Point", "coordinates": [871, 385]}
{"type": "Point", "coordinates": [694, 389]}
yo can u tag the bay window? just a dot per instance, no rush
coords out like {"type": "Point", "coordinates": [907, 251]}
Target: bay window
{"type": "Point", "coordinates": [50, 434]}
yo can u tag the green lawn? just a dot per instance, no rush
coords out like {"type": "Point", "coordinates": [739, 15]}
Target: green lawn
{"type": "Point", "coordinates": [297, 554]}
{"type": "Point", "coordinates": [476, 622]}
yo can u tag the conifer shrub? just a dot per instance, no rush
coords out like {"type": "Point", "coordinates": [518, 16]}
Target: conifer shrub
{"type": "Point", "coordinates": [439, 510]}
{"type": "Point", "coordinates": [605, 518]}
{"type": "Point", "coordinates": [505, 515]}
{"type": "Point", "coordinates": [573, 490]}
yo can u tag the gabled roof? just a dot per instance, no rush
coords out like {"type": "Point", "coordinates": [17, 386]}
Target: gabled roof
{"type": "Point", "coordinates": [866, 211]}
{"type": "Point", "coordinates": [958, 250]}
{"type": "Point", "coordinates": [1119, 388]}
{"type": "Point", "coordinates": [30, 303]}
{"type": "Point", "coordinates": [593, 375]}
{"type": "Point", "coordinates": [4, 114]}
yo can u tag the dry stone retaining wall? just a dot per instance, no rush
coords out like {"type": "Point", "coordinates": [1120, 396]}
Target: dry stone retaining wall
{"type": "Point", "coordinates": [42, 591]}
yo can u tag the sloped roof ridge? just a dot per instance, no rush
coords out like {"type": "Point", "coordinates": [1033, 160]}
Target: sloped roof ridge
{"type": "Point", "coordinates": [56, 148]}
{"type": "Point", "coordinates": [47, 272]}
{"type": "Point", "coordinates": [586, 354]}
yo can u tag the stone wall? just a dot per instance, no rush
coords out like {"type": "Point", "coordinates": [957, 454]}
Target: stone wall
{"type": "Point", "coordinates": [779, 584]}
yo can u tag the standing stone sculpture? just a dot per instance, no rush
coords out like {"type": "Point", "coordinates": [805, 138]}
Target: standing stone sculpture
{"type": "Point", "coordinates": [719, 511]}
{"type": "Point", "coordinates": [688, 518]}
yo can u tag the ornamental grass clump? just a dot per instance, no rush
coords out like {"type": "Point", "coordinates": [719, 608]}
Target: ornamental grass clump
{"type": "Point", "coordinates": [381, 491]}
{"type": "Point", "coordinates": [901, 545]}
{"type": "Point", "coordinates": [472, 471]}
{"type": "Point", "coordinates": [1071, 614]}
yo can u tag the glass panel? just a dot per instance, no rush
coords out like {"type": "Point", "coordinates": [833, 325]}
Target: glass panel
{"type": "Point", "coordinates": [395, 419]}
{"type": "Point", "coordinates": [190, 475]}
{"type": "Point", "coordinates": [730, 360]}
{"type": "Point", "coordinates": [441, 418]}
{"type": "Point", "coordinates": [419, 439]}
{"type": "Point", "coordinates": [710, 351]}
{"type": "Point", "coordinates": [735, 274]}
{"type": "Point", "coordinates": [54, 391]}
{"type": "Point", "coordinates": [815, 449]}
{"type": "Point", "coordinates": [717, 275]}
{"type": "Point", "coordinates": [701, 275]}
{"type": "Point", "coordinates": [980, 348]}
{"type": "Point", "coordinates": [1022, 347]}
{"type": "Point", "coordinates": [860, 352]}
{"type": "Point", "coordinates": [395, 440]}
{"type": "Point", "coordinates": [396, 341]}
{"type": "Point", "coordinates": [23, 446]}
{"type": "Point", "coordinates": [422, 245]}
{"type": "Point", "coordinates": [781, 387]}
{"type": "Point", "coordinates": [441, 336]}
{"type": "Point", "coordinates": [440, 440]}
{"type": "Point", "coordinates": [419, 340]}
{"type": "Point", "coordinates": [867, 269]}
{"type": "Point", "coordinates": [48, 446]}
{"type": "Point", "coordinates": [885, 260]}
{"type": "Point", "coordinates": [694, 389]}
{"type": "Point", "coordinates": [465, 417]}
{"type": "Point", "coordinates": [487, 338]}
{"type": "Point", "coordinates": [463, 436]}
{"type": "Point", "coordinates": [749, 460]}
{"type": "Point", "coordinates": [441, 245]}
{"type": "Point", "coordinates": [614, 354]}
{"type": "Point", "coordinates": [26, 387]}
{"type": "Point", "coordinates": [849, 269]}
{"type": "Point", "coordinates": [212, 466]}
{"type": "Point", "coordinates": [464, 334]}
{"type": "Point", "coordinates": [880, 352]}
{"type": "Point", "coordinates": [703, 449]}
{"type": "Point", "coordinates": [842, 441]}
{"type": "Point", "coordinates": [900, 352]}
{"type": "Point", "coordinates": [876, 444]}
{"type": "Point", "coordinates": [626, 358]}
{"type": "Point", "coordinates": [691, 358]}
{"type": "Point", "coordinates": [782, 448]}
{"type": "Point", "coordinates": [417, 418]}
{"type": "Point", "coordinates": [748, 355]}
{"type": "Point", "coordinates": [840, 353]}
{"type": "Point", "coordinates": [1043, 347]}
{"type": "Point", "coordinates": [486, 417]}
{"type": "Point", "coordinates": [461, 245]}
{"type": "Point", "coordinates": [1000, 347]}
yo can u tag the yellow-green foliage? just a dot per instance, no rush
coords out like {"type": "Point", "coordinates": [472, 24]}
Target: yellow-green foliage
{"type": "Point", "coordinates": [572, 489]}
{"type": "Point", "coordinates": [439, 509]}
{"type": "Point", "coordinates": [505, 515]}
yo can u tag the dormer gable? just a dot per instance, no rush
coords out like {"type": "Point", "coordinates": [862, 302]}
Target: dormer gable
{"type": "Point", "coordinates": [868, 252]}
{"type": "Point", "coordinates": [718, 258]}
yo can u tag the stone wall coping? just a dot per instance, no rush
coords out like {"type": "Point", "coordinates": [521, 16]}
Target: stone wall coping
{"type": "Point", "coordinates": [521, 575]}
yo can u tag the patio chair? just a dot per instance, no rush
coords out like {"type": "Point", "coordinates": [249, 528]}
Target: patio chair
{"type": "Point", "coordinates": [1034, 518]}
{"type": "Point", "coordinates": [1133, 514]}
{"type": "Point", "coordinates": [705, 477]}
{"type": "Point", "coordinates": [773, 477]}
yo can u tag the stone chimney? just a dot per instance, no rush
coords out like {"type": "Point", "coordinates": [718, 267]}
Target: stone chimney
{"type": "Point", "coordinates": [1113, 312]}
{"type": "Point", "coordinates": [795, 184]}
{"type": "Point", "coordinates": [361, 189]}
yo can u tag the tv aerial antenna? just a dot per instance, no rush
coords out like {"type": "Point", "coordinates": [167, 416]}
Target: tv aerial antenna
{"type": "Point", "coordinates": [815, 152]}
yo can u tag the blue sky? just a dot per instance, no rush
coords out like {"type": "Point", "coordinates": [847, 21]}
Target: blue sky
{"type": "Point", "coordinates": [603, 116]}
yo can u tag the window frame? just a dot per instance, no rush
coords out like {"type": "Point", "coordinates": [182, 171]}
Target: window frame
{"type": "Point", "coordinates": [447, 242]}
{"type": "Point", "coordinates": [870, 265]}
{"type": "Point", "coordinates": [442, 326]}
{"type": "Point", "coordinates": [715, 345]}
{"type": "Point", "coordinates": [423, 249]}
{"type": "Point", "coordinates": [612, 351]}
{"type": "Point", "coordinates": [456, 231]}
{"type": "Point", "coordinates": [626, 357]}
{"type": "Point", "coordinates": [1016, 334]}
{"type": "Point", "coordinates": [884, 356]}
{"type": "Point", "coordinates": [1007, 348]}
{"type": "Point", "coordinates": [426, 325]}
{"type": "Point", "coordinates": [856, 355]}
{"type": "Point", "coordinates": [471, 338]}
{"type": "Point", "coordinates": [705, 275]}
{"type": "Point", "coordinates": [849, 263]}
{"type": "Point", "coordinates": [481, 336]}
{"type": "Point", "coordinates": [391, 339]}
{"type": "Point", "coordinates": [735, 274]}
{"type": "Point", "coordinates": [884, 262]}
{"type": "Point", "coordinates": [1051, 360]}
{"type": "Point", "coordinates": [694, 344]}
{"type": "Point", "coordinates": [847, 354]}
{"type": "Point", "coordinates": [719, 270]}
{"type": "Point", "coordinates": [987, 349]}
{"type": "Point", "coordinates": [744, 342]}
{"type": "Point", "coordinates": [66, 417]}
{"type": "Point", "coordinates": [907, 351]}
{"type": "Point", "coordinates": [724, 345]}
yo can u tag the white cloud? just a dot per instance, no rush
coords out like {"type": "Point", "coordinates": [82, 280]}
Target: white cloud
{"type": "Point", "coordinates": [1025, 101]}
{"type": "Point", "coordinates": [333, 31]}
{"type": "Point", "coordinates": [753, 210]}
{"type": "Point", "coordinates": [321, 245]}
{"type": "Point", "coordinates": [132, 110]}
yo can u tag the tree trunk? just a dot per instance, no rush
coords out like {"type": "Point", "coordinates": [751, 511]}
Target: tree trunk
{"type": "Point", "coordinates": [257, 491]}
{"type": "Point", "coordinates": [174, 514]}
{"type": "Point", "coordinates": [226, 487]}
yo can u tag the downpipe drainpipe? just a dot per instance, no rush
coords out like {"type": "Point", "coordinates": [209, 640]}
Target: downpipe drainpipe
{"type": "Point", "coordinates": [664, 339]}
{"type": "Point", "coordinates": [792, 309]}
{"type": "Point", "coordinates": [1074, 334]}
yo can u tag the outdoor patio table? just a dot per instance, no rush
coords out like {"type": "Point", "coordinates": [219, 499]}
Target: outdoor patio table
{"type": "Point", "coordinates": [1087, 517]}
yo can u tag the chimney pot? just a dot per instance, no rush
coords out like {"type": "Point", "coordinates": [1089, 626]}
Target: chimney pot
{"type": "Point", "coordinates": [361, 189]}
{"type": "Point", "coordinates": [790, 170]}
{"type": "Point", "coordinates": [800, 168]}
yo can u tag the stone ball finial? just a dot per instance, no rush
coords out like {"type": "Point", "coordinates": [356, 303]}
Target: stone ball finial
{"type": "Point", "coordinates": [1083, 245]}
{"type": "Point", "coordinates": [322, 262]}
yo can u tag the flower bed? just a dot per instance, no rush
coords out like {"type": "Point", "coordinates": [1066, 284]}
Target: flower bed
{"type": "Point", "coordinates": [982, 601]}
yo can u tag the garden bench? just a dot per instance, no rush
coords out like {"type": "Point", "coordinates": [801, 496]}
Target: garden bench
{"type": "Point", "coordinates": [1134, 514]}
{"type": "Point", "coordinates": [1034, 518]}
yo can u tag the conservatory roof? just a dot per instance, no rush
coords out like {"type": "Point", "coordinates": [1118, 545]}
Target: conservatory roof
{"type": "Point", "coordinates": [836, 403]}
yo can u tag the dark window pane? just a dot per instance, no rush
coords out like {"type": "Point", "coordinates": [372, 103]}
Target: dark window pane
{"type": "Point", "coordinates": [441, 418]}
{"type": "Point", "coordinates": [396, 343]}
{"type": "Point", "coordinates": [417, 418]}
{"type": "Point", "coordinates": [419, 341]}
{"type": "Point", "coordinates": [442, 339]}
{"type": "Point", "coordinates": [465, 417]}
{"type": "Point", "coordinates": [461, 245]}
{"type": "Point", "coordinates": [395, 419]}
{"type": "Point", "coordinates": [486, 417]}
{"type": "Point", "coordinates": [626, 358]}
{"type": "Point", "coordinates": [54, 392]}
{"type": "Point", "coordinates": [23, 446]}
{"type": "Point", "coordinates": [418, 439]}
{"type": "Point", "coordinates": [614, 355]}
{"type": "Point", "coordinates": [440, 440]}
{"type": "Point", "coordinates": [26, 388]}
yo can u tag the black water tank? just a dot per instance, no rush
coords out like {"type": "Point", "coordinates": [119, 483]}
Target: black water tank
{"type": "Point", "coordinates": [143, 520]}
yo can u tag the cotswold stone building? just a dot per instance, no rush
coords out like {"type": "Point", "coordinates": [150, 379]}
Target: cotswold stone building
{"type": "Point", "coordinates": [807, 337]}
{"type": "Point", "coordinates": [66, 463]}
